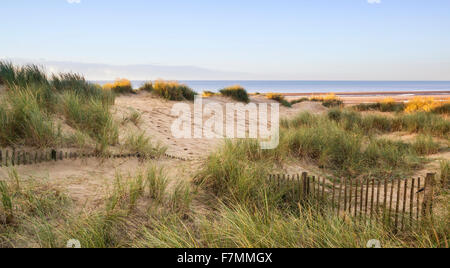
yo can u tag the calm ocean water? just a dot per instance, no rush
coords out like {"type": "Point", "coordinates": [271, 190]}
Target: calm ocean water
{"type": "Point", "coordinates": [314, 86]}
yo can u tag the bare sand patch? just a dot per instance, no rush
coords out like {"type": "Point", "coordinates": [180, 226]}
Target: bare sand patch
{"type": "Point", "coordinates": [88, 181]}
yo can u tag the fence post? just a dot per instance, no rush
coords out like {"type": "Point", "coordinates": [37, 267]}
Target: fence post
{"type": "Point", "coordinates": [339, 196]}
{"type": "Point", "coordinates": [427, 206]}
{"type": "Point", "coordinates": [397, 205]}
{"type": "Point", "coordinates": [334, 190]}
{"type": "Point", "coordinates": [323, 189]}
{"type": "Point", "coordinates": [404, 203]}
{"type": "Point", "coordinates": [13, 157]}
{"type": "Point", "coordinates": [411, 203]}
{"type": "Point", "coordinates": [378, 200]}
{"type": "Point", "coordinates": [356, 198]}
{"type": "Point", "coordinates": [345, 195]}
{"type": "Point", "coordinates": [350, 197]}
{"type": "Point", "coordinates": [305, 187]}
{"type": "Point", "coordinates": [372, 199]}
{"type": "Point", "coordinates": [418, 201]}
{"type": "Point", "coordinates": [390, 202]}
{"type": "Point", "coordinates": [361, 203]}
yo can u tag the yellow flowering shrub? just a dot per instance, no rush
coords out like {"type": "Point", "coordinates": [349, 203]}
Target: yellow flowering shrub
{"type": "Point", "coordinates": [119, 86]}
{"type": "Point", "coordinates": [426, 104]}
{"type": "Point", "coordinates": [388, 101]}
{"type": "Point", "coordinates": [207, 94]}
{"type": "Point", "coordinates": [329, 100]}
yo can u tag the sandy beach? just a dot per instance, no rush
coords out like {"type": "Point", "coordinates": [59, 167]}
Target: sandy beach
{"type": "Point", "coordinates": [371, 97]}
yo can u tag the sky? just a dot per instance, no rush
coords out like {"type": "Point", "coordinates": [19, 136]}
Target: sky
{"type": "Point", "coordinates": [232, 39]}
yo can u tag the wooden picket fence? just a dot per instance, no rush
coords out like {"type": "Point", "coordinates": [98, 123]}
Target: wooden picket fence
{"type": "Point", "coordinates": [11, 158]}
{"type": "Point", "coordinates": [401, 203]}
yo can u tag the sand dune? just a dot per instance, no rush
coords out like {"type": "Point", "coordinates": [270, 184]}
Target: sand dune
{"type": "Point", "coordinates": [157, 121]}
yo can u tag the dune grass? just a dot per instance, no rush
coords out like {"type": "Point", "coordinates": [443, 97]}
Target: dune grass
{"type": "Point", "coordinates": [134, 117]}
{"type": "Point", "coordinates": [21, 76]}
{"type": "Point", "coordinates": [208, 94]}
{"type": "Point", "coordinates": [236, 92]}
{"type": "Point", "coordinates": [444, 109]}
{"type": "Point", "coordinates": [280, 98]}
{"type": "Point", "coordinates": [237, 212]}
{"type": "Point", "coordinates": [299, 100]}
{"type": "Point", "coordinates": [425, 145]}
{"type": "Point", "coordinates": [329, 100]}
{"type": "Point", "coordinates": [120, 86]}
{"type": "Point", "coordinates": [90, 116]}
{"type": "Point", "coordinates": [24, 121]}
{"type": "Point", "coordinates": [420, 122]}
{"type": "Point", "coordinates": [33, 101]}
{"type": "Point", "coordinates": [172, 90]}
{"type": "Point", "coordinates": [147, 86]}
{"type": "Point", "coordinates": [445, 172]}
{"type": "Point", "coordinates": [142, 145]}
{"type": "Point", "coordinates": [342, 143]}
{"type": "Point", "coordinates": [423, 122]}
{"type": "Point", "coordinates": [386, 105]}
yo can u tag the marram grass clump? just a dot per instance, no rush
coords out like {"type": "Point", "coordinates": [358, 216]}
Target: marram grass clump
{"type": "Point", "coordinates": [147, 86]}
{"type": "Point", "coordinates": [172, 90]}
{"type": "Point", "coordinates": [280, 98]}
{"type": "Point", "coordinates": [33, 102]}
{"type": "Point", "coordinates": [236, 92]}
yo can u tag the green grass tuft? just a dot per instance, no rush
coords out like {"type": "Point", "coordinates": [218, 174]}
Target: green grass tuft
{"type": "Point", "coordinates": [237, 93]}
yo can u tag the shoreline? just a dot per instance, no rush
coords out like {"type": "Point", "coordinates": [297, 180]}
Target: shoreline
{"type": "Point", "coordinates": [376, 96]}
{"type": "Point", "coordinates": [372, 93]}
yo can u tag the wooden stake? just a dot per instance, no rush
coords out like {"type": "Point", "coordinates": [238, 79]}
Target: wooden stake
{"type": "Point", "coordinates": [339, 198]}
{"type": "Point", "coordinates": [418, 201]}
{"type": "Point", "coordinates": [372, 198]}
{"type": "Point", "coordinates": [323, 189]}
{"type": "Point", "coordinates": [411, 203]}
{"type": "Point", "coordinates": [333, 194]}
{"type": "Point", "coordinates": [427, 206]}
{"type": "Point", "coordinates": [378, 200]}
{"type": "Point", "coordinates": [397, 206]}
{"type": "Point", "coordinates": [345, 195]}
{"type": "Point", "coordinates": [356, 198]}
{"type": "Point", "coordinates": [350, 198]}
{"type": "Point", "coordinates": [361, 205]}
{"type": "Point", "coordinates": [405, 189]}
{"type": "Point", "coordinates": [390, 201]}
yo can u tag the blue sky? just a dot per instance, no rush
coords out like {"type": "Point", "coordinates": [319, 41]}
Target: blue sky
{"type": "Point", "coordinates": [260, 39]}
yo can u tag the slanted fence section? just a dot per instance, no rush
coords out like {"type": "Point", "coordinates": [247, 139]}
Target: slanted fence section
{"type": "Point", "coordinates": [13, 157]}
{"type": "Point", "coordinates": [400, 203]}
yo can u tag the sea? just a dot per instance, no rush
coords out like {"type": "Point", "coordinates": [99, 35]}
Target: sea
{"type": "Point", "coordinates": [265, 86]}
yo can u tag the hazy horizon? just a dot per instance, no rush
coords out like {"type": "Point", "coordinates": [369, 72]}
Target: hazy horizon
{"type": "Point", "coordinates": [143, 72]}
